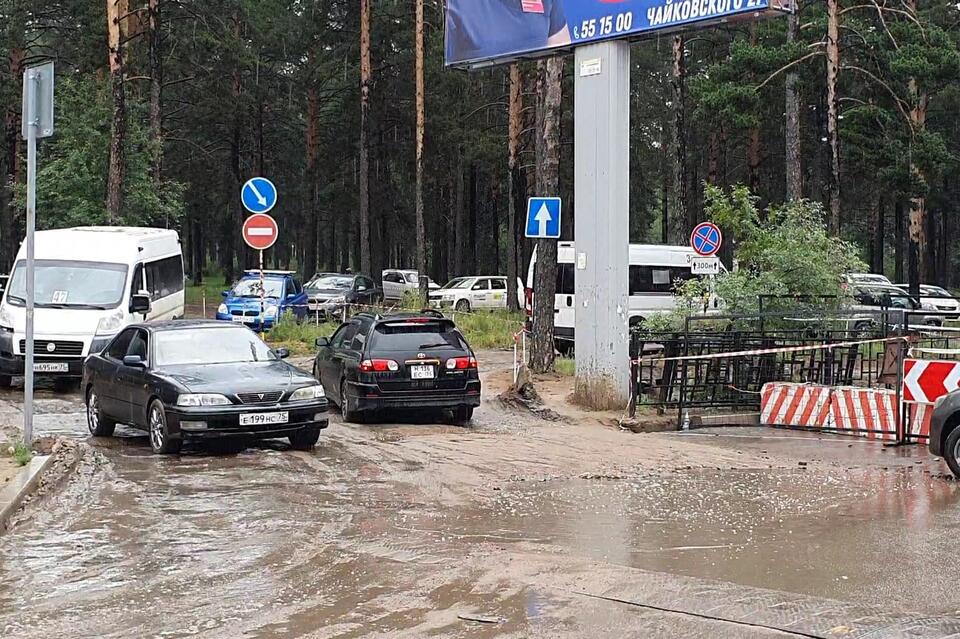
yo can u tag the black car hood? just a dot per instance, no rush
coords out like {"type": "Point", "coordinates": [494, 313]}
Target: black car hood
{"type": "Point", "coordinates": [230, 379]}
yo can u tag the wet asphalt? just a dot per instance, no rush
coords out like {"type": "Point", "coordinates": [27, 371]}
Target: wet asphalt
{"type": "Point", "coordinates": [365, 537]}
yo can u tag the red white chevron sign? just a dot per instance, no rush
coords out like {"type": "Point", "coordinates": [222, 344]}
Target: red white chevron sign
{"type": "Point", "coordinates": [924, 381]}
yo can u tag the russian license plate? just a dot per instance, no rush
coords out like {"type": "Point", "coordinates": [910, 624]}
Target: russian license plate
{"type": "Point", "coordinates": [422, 372]}
{"type": "Point", "coordinates": [51, 367]}
{"type": "Point", "coordinates": [264, 419]}
{"type": "Point", "coordinates": [238, 318]}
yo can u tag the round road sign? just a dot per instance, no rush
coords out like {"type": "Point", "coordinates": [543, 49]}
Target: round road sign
{"type": "Point", "coordinates": [260, 231]}
{"type": "Point", "coordinates": [706, 239]}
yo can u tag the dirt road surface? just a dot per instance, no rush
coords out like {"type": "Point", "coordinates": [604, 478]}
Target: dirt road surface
{"type": "Point", "coordinates": [517, 526]}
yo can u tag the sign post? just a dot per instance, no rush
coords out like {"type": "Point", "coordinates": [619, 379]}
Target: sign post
{"type": "Point", "coordinates": [37, 123]}
{"type": "Point", "coordinates": [260, 232]}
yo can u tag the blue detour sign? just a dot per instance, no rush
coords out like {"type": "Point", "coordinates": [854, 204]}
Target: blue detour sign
{"type": "Point", "coordinates": [259, 195]}
{"type": "Point", "coordinates": [706, 239]}
{"type": "Point", "coordinates": [481, 32]}
{"type": "Point", "coordinates": [543, 217]}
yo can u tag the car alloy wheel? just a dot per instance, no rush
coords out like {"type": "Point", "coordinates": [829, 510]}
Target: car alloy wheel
{"type": "Point", "coordinates": [160, 440]}
{"type": "Point", "coordinates": [93, 413]}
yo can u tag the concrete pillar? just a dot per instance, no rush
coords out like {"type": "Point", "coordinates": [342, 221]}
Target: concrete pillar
{"type": "Point", "coordinates": [602, 231]}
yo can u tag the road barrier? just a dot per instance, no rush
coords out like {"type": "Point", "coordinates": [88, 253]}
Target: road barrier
{"type": "Point", "coordinates": [862, 412]}
{"type": "Point", "coordinates": [795, 405]}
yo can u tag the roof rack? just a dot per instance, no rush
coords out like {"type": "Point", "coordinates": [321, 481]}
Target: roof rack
{"type": "Point", "coordinates": [256, 271]}
{"type": "Point", "coordinates": [402, 315]}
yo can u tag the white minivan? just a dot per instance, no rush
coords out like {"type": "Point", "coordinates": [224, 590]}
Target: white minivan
{"type": "Point", "coordinates": [654, 272]}
{"type": "Point", "coordinates": [90, 283]}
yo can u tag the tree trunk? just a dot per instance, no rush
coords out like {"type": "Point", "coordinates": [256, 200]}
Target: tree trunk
{"type": "Point", "coordinates": [548, 174]}
{"type": "Point", "coordinates": [12, 172]}
{"type": "Point", "coordinates": [365, 262]}
{"type": "Point", "coordinates": [899, 272]}
{"type": "Point", "coordinates": [513, 182]}
{"type": "Point", "coordinates": [877, 247]}
{"type": "Point", "coordinates": [684, 212]}
{"type": "Point", "coordinates": [421, 226]}
{"type": "Point", "coordinates": [310, 258]}
{"type": "Point", "coordinates": [833, 115]}
{"type": "Point", "coordinates": [155, 57]}
{"type": "Point", "coordinates": [793, 166]}
{"type": "Point", "coordinates": [118, 122]}
{"type": "Point", "coordinates": [919, 246]}
{"type": "Point", "coordinates": [460, 225]}
{"type": "Point", "coordinates": [713, 158]}
{"type": "Point", "coordinates": [233, 249]}
{"type": "Point", "coordinates": [754, 159]}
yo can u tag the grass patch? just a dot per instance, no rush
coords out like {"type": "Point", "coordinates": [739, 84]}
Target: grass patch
{"type": "Point", "coordinates": [212, 286]}
{"type": "Point", "coordinates": [566, 366]}
{"type": "Point", "coordinates": [299, 339]}
{"type": "Point", "coordinates": [21, 453]}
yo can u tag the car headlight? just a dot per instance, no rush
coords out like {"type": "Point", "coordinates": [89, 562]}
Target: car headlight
{"type": "Point", "coordinates": [6, 317]}
{"type": "Point", "coordinates": [270, 312]}
{"type": "Point", "coordinates": [928, 306]}
{"type": "Point", "coordinates": [307, 393]}
{"type": "Point", "coordinates": [222, 309]}
{"type": "Point", "coordinates": [202, 399]}
{"type": "Point", "coordinates": [110, 325]}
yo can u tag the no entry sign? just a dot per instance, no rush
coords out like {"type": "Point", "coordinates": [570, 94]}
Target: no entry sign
{"type": "Point", "coordinates": [260, 231]}
{"type": "Point", "coordinates": [706, 239]}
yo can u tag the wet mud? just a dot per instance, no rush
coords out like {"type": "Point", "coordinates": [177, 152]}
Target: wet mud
{"type": "Point", "coordinates": [503, 529]}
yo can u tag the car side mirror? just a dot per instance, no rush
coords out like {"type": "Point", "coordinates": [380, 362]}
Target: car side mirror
{"type": "Point", "coordinates": [224, 293]}
{"type": "Point", "coordinates": [282, 353]}
{"type": "Point", "coordinates": [323, 342]}
{"type": "Point", "coordinates": [140, 303]}
{"type": "Point", "coordinates": [134, 361]}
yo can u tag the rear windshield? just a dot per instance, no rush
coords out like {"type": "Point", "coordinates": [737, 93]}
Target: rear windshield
{"type": "Point", "coordinates": [408, 336]}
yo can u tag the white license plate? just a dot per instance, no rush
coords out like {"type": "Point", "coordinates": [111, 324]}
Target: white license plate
{"type": "Point", "coordinates": [422, 372]}
{"type": "Point", "coordinates": [264, 419]}
{"type": "Point", "coordinates": [58, 367]}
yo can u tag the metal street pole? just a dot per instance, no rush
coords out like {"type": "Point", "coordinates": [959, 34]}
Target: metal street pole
{"type": "Point", "coordinates": [262, 294]}
{"type": "Point", "coordinates": [32, 87]}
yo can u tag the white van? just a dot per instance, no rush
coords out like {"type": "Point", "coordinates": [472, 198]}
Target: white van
{"type": "Point", "coordinates": [654, 271]}
{"type": "Point", "coordinates": [90, 283]}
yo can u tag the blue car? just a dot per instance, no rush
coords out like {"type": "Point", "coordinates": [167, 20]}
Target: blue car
{"type": "Point", "coordinates": [282, 294]}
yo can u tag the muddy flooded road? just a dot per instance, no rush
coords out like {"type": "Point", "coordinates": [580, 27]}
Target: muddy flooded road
{"type": "Point", "coordinates": [514, 527]}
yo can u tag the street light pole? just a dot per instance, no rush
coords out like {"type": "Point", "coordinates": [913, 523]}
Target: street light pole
{"type": "Point", "coordinates": [33, 123]}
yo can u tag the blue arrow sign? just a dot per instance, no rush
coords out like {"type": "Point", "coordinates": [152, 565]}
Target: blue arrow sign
{"type": "Point", "coordinates": [259, 195]}
{"type": "Point", "coordinates": [543, 217]}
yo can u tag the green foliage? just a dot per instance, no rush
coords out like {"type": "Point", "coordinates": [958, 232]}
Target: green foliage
{"type": "Point", "coordinates": [21, 453]}
{"type": "Point", "coordinates": [72, 173]}
{"type": "Point", "coordinates": [787, 252]}
{"type": "Point", "coordinates": [565, 366]}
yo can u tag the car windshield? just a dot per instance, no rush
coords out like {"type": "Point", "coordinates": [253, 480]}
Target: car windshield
{"type": "Point", "coordinates": [935, 291]}
{"type": "Point", "coordinates": [336, 282]}
{"type": "Point", "coordinates": [251, 288]}
{"type": "Point", "coordinates": [884, 296]}
{"type": "Point", "coordinates": [69, 284]}
{"type": "Point", "coordinates": [416, 336]}
{"type": "Point", "coordinates": [228, 345]}
{"type": "Point", "coordinates": [462, 283]}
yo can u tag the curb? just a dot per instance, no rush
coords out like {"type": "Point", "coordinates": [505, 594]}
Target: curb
{"type": "Point", "coordinates": [20, 487]}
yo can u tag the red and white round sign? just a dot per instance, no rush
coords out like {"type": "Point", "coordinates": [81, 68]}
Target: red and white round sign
{"type": "Point", "coordinates": [260, 231]}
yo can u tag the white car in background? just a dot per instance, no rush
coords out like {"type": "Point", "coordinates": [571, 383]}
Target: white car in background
{"type": "Point", "coordinates": [867, 279]}
{"type": "Point", "coordinates": [937, 297]}
{"type": "Point", "coordinates": [480, 292]}
{"type": "Point", "coordinates": [396, 282]}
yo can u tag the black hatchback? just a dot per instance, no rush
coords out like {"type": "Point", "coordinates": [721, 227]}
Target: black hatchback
{"type": "Point", "coordinates": [200, 380]}
{"type": "Point", "coordinates": [402, 361]}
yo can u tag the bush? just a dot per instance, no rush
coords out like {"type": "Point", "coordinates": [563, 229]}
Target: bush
{"type": "Point", "coordinates": [21, 453]}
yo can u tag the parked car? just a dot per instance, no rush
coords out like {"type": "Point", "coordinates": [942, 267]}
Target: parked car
{"type": "Point", "coordinates": [90, 283]}
{"type": "Point", "coordinates": [945, 431]}
{"type": "Point", "coordinates": [330, 293]}
{"type": "Point", "coordinates": [938, 298]}
{"type": "Point", "coordinates": [200, 380]}
{"type": "Point", "coordinates": [477, 292]}
{"type": "Point", "coordinates": [401, 361]}
{"type": "Point", "coordinates": [397, 282]}
{"type": "Point", "coordinates": [873, 298]}
{"type": "Point", "coordinates": [867, 279]}
{"type": "Point", "coordinates": [281, 293]}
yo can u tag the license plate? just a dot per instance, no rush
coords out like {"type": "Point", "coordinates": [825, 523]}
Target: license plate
{"type": "Point", "coordinates": [238, 318]}
{"type": "Point", "coordinates": [58, 367]}
{"type": "Point", "coordinates": [422, 372]}
{"type": "Point", "coordinates": [264, 419]}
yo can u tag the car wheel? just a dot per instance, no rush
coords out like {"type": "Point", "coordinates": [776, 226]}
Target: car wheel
{"type": "Point", "coordinates": [462, 415]}
{"type": "Point", "coordinates": [350, 415]}
{"type": "Point", "coordinates": [99, 424]}
{"type": "Point", "coordinates": [160, 440]}
{"type": "Point", "coordinates": [463, 306]}
{"type": "Point", "coordinates": [951, 451]}
{"type": "Point", "coordinates": [305, 439]}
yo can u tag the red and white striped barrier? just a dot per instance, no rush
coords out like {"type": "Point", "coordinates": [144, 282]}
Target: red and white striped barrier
{"type": "Point", "coordinates": [797, 405]}
{"type": "Point", "coordinates": [865, 412]}
{"type": "Point", "coordinates": [918, 426]}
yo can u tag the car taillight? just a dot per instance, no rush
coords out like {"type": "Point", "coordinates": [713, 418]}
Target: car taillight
{"type": "Point", "coordinates": [528, 295]}
{"type": "Point", "coordinates": [461, 363]}
{"type": "Point", "coordinates": [379, 366]}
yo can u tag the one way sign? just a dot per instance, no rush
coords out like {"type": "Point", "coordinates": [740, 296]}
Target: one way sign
{"type": "Point", "coordinates": [543, 218]}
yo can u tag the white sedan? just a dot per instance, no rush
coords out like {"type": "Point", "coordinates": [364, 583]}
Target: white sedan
{"type": "Point", "coordinates": [938, 298]}
{"type": "Point", "coordinates": [465, 294]}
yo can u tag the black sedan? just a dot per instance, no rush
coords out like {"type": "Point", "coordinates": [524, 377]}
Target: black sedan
{"type": "Point", "coordinates": [402, 361]}
{"type": "Point", "coordinates": [200, 380]}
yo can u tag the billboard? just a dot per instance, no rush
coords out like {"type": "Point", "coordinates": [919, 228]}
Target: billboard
{"type": "Point", "coordinates": [485, 32]}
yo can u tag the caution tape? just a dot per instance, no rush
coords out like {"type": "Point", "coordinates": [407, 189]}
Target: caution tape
{"type": "Point", "coordinates": [769, 351]}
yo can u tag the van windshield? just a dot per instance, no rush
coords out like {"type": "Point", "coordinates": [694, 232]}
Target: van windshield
{"type": "Point", "coordinates": [69, 284]}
